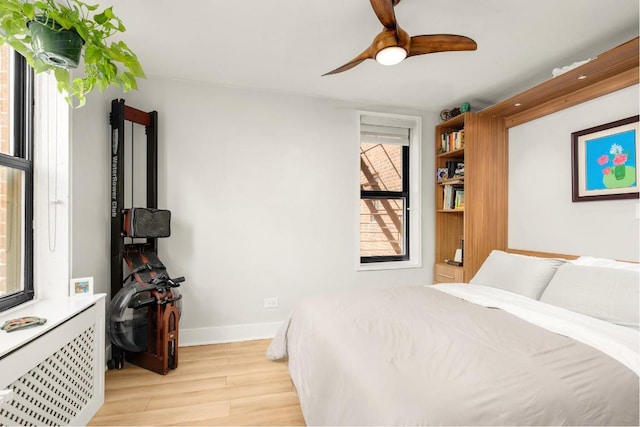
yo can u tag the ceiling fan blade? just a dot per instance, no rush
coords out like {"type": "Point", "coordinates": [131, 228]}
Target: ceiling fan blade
{"type": "Point", "coordinates": [440, 43]}
{"type": "Point", "coordinates": [355, 61]}
{"type": "Point", "coordinates": [384, 12]}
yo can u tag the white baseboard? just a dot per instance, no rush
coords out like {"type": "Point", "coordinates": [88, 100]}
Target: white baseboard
{"type": "Point", "coordinates": [222, 334]}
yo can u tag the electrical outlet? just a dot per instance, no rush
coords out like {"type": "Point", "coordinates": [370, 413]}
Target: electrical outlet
{"type": "Point", "coordinates": [271, 302]}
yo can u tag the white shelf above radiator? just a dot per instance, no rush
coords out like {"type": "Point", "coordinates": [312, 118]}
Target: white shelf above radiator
{"type": "Point", "coordinates": [56, 311]}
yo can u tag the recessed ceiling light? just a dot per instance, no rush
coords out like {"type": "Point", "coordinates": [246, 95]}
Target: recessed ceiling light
{"type": "Point", "coordinates": [517, 104]}
{"type": "Point", "coordinates": [582, 77]}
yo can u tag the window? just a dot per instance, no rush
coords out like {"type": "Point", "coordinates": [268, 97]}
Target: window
{"type": "Point", "coordinates": [16, 179]}
{"type": "Point", "coordinates": [387, 176]}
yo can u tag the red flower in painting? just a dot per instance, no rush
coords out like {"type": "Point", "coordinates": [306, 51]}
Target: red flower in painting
{"type": "Point", "coordinates": [603, 159]}
{"type": "Point", "coordinates": [606, 171]}
{"type": "Point", "coordinates": [620, 159]}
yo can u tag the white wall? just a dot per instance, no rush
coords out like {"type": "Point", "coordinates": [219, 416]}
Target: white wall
{"type": "Point", "coordinates": [90, 166]}
{"type": "Point", "coordinates": [261, 189]}
{"type": "Point", "coordinates": [541, 213]}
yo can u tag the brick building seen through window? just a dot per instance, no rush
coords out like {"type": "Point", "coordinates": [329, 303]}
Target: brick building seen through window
{"type": "Point", "coordinates": [4, 148]}
{"type": "Point", "coordinates": [382, 219]}
{"type": "Point", "coordinates": [16, 179]}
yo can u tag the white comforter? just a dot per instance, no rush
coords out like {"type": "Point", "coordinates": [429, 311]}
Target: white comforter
{"type": "Point", "coordinates": [621, 343]}
{"type": "Point", "coordinates": [423, 356]}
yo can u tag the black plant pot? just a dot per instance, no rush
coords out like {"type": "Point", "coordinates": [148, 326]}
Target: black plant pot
{"type": "Point", "coordinates": [55, 46]}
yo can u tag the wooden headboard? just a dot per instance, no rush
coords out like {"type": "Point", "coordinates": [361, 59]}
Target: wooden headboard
{"type": "Point", "coordinates": [540, 254]}
{"type": "Point", "coordinates": [549, 254]}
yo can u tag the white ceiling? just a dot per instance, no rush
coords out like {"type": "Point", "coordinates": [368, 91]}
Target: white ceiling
{"type": "Point", "coordinates": [286, 45]}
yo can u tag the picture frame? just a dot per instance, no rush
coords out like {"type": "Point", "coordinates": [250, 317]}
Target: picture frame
{"type": "Point", "coordinates": [442, 174]}
{"type": "Point", "coordinates": [81, 286]}
{"type": "Point", "coordinates": [604, 161]}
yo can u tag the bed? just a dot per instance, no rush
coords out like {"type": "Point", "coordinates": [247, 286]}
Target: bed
{"type": "Point", "coordinates": [530, 341]}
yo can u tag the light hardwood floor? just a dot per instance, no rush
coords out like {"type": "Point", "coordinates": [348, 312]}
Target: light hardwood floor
{"type": "Point", "coordinates": [220, 384]}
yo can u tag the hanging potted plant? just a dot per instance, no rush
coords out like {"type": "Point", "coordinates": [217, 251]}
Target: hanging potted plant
{"type": "Point", "coordinates": [53, 44]}
{"type": "Point", "coordinates": [59, 36]}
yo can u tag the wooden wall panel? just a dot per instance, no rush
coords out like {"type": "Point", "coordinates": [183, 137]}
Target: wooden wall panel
{"type": "Point", "coordinates": [600, 88]}
{"type": "Point", "coordinates": [486, 171]}
{"type": "Point", "coordinates": [609, 66]}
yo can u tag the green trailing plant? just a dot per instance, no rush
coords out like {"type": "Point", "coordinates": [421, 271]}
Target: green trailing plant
{"type": "Point", "coordinates": [104, 63]}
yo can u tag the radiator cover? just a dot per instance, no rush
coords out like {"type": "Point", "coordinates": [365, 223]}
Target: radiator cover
{"type": "Point", "coordinates": [64, 383]}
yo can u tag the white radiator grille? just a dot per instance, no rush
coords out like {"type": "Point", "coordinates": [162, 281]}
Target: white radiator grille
{"type": "Point", "coordinates": [57, 390]}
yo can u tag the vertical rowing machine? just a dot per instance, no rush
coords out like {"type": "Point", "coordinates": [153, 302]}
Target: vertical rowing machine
{"type": "Point", "coordinates": [145, 308]}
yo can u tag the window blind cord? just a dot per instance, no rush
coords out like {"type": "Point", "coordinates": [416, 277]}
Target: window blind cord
{"type": "Point", "coordinates": [132, 163]}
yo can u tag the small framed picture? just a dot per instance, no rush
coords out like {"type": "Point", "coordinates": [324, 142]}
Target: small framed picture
{"type": "Point", "coordinates": [81, 286]}
{"type": "Point", "coordinates": [443, 173]}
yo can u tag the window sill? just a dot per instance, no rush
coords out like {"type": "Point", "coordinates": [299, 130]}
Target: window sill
{"type": "Point", "coordinates": [390, 265]}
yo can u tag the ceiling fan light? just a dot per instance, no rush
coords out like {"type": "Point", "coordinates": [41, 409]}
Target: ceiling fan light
{"type": "Point", "coordinates": [391, 55]}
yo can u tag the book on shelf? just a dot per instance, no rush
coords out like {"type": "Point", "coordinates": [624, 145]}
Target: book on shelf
{"type": "Point", "coordinates": [459, 201]}
{"type": "Point", "coordinates": [450, 195]}
{"type": "Point", "coordinates": [451, 141]}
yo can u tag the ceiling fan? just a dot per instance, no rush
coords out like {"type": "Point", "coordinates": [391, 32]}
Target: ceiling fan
{"type": "Point", "coordinates": [393, 44]}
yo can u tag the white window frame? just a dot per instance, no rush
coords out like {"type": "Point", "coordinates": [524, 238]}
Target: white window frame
{"type": "Point", "coordinates": [52, 178]}
{"type": "Point", "coordinates": [415, 193]}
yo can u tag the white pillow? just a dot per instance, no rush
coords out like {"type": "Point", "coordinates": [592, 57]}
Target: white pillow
{"type": "Point", "coordinates": [605, 262]}
{"type": "Point", "coordinates": [520, 274]}
{"type": "Point", "coordinates": [610, 294]}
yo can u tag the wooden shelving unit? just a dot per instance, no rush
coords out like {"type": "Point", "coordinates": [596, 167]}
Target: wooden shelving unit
{"type": "Point", "coordinates": [483, 222]}
{"type": "Point", "coordinates": [449, 222]}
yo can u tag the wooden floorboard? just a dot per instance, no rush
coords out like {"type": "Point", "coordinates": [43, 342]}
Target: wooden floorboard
{"type": "Point", "coordinates": [230, 384]}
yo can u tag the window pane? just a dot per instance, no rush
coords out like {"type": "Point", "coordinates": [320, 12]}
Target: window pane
{"type": "Point", "coordinates": [381, 167]}
{"type": "Point", "coordinates": [381, 227]}
{"type": "Point", "coordinates": [6, 138]}
{"type": "Point", "coordinates": [11, 230]}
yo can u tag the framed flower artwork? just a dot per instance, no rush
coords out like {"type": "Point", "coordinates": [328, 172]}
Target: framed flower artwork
{"type": "Point", "coordinates": [604, 161]}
